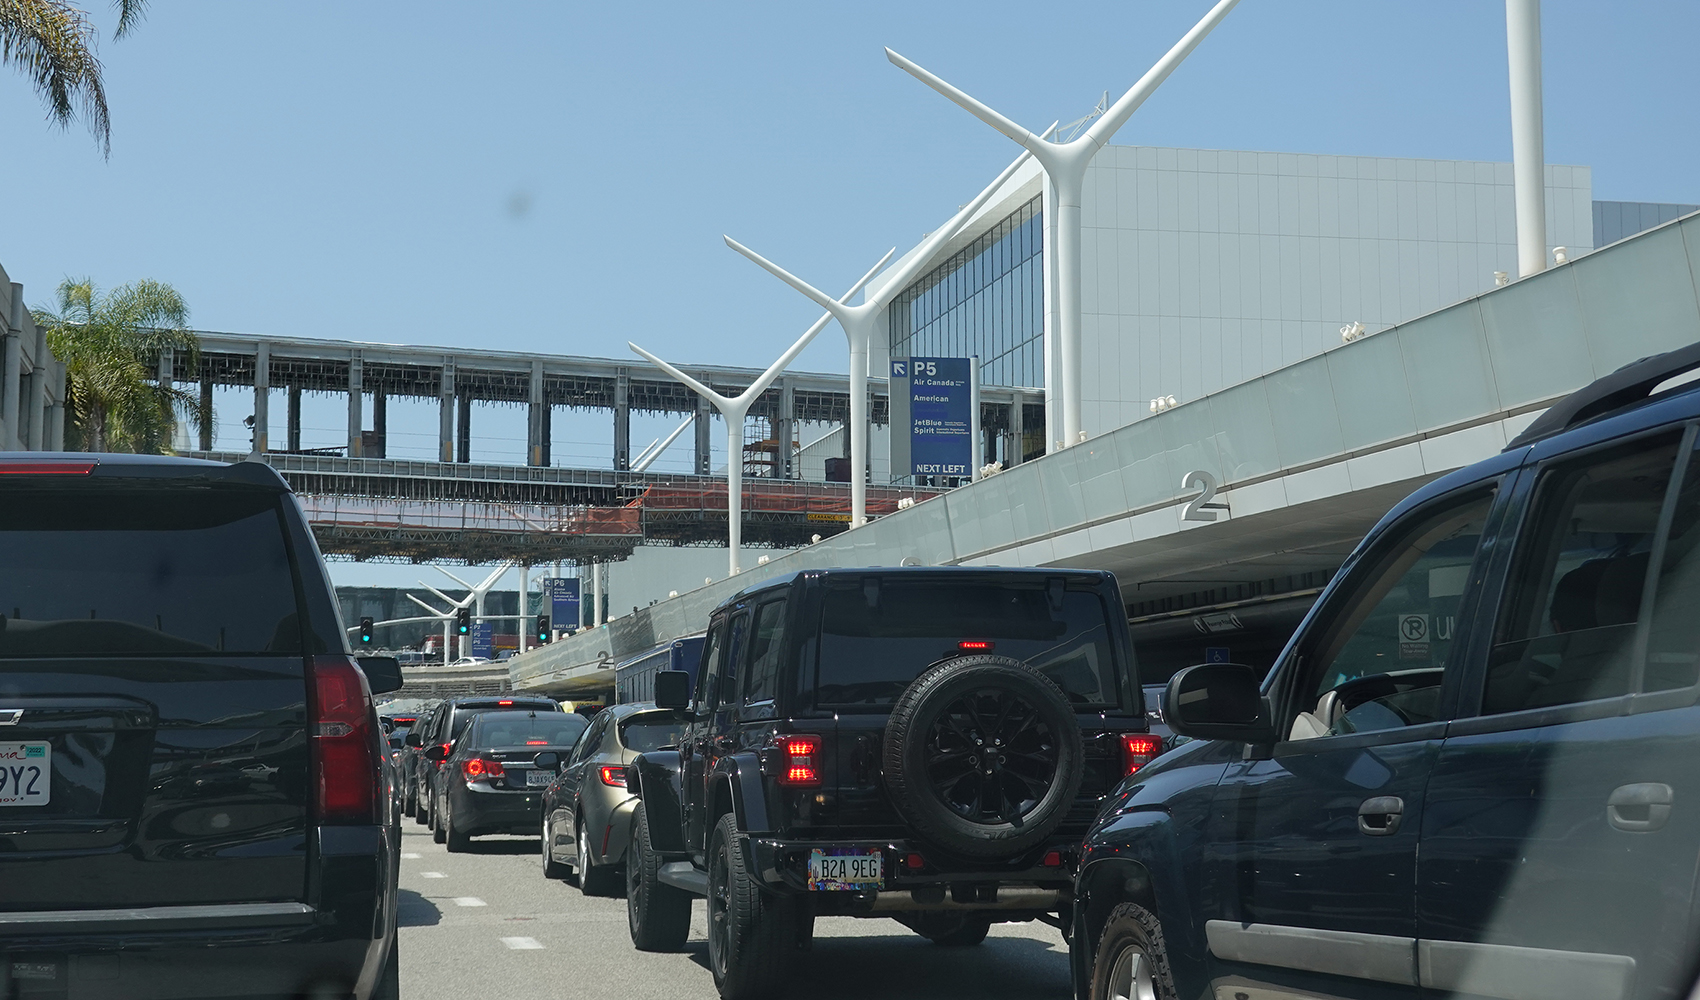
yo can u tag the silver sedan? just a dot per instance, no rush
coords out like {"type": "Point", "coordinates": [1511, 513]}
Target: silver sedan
{"type": "Point", "coordinates": [587, 810]}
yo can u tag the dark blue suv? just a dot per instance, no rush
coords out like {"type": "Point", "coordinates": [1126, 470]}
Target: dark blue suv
{"type": "Point", "coordinates": [1475, 768]}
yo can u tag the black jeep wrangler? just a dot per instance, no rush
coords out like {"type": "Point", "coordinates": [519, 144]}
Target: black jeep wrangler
{"type": "Point", "coordinates": [922, 744]}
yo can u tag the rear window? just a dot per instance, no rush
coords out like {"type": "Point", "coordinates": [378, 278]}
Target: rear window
{"type": "Point", "coordinates": [643, 733]}
{"type": "Point", "coordinates": [515, 729]}
{"type": "Point", "coordinates": [466, 713]}
{"type": "Point", "coordinates": [137, 572]}
{"type": "Point", "coordinates": [871, 650]}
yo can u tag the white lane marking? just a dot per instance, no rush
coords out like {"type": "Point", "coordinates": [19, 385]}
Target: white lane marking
{"type": "Point", "coordinates": [469, 901]}
{"type": "Point", "coordinates": [522, 944]}
{"type": "Point", "coordinates": [409, 857]}
{"type": "Point", "coordinates": [432, 875]}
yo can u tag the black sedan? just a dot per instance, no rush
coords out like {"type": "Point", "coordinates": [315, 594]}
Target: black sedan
{"type": "Point", "coordinates": [489, 783]}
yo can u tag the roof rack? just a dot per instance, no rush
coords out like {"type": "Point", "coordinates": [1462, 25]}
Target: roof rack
{"type": "Point", "coordinates": [1625, 387]}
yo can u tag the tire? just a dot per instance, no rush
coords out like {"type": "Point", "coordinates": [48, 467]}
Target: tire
{"type": "Point", "coordinates": [951, 930]}
{"type": "Point", "coordinates": [552, 869]}
{"type": "Point", "coordinates": [409, 800]}
{"type": "Point", "coordinates": [659, 915]}
{"type": "Point", "coordinates": [421, 806]}
{"type": "Point", "coordinates": [970, 791]}
{"type": "Point", "coordinates": [595, 879]}
{"type": "Point", "coordinates": [1132, 961]}
{"type": "Point", "coordinates": [458, 842]}
{"type": "Point", "coordinates": [388, 986]}
{"type": "Point", "coordinates": [752, 934]}
{"type": "Point", "coordinates": [438, 835]}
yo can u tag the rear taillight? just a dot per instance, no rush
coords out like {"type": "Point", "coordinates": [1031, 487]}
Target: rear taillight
{"type": "Point", "coordinates": [798, 764]}
{"type": "Point", "coordinates": [614, 776]}
{"type": "Point", "coordinates": [479, 768]}
{"type": "Point", "coordinates": [1138, 749]}
{"type": "Point", "coordinates": [344, 742]}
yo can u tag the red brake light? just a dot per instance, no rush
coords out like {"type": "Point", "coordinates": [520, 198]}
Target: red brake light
{"type": "Point", "coordinates": [536, 743]}
{"type": "Point", "coordinates": [799, 767]}
{"type": "Point", "coordinates": [614, 775]}
{"type": "Point", "coordinates": [914, 861]}
{"type": "Point", "coordinates": [506, 701]}
{"type": "Point", "coordinates": [479, 767]}
{"type": "Point", "coordinates": [1138, 749]}
{"type": "Point", "coordinates": [975, 645]}
{"type": "Point", "coordinates": [1052, 859]}
{"type": "Point", "coordinates": [46, 468]}
{"type": "Point", "coordinates": [345, 770]}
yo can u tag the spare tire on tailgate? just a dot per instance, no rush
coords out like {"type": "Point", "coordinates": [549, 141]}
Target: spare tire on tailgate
{"type": "Point", "coordinates": [983, 755]}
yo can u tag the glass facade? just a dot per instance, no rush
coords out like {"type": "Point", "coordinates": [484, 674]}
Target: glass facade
{"type": "Point", "coordinates": [986, 300]}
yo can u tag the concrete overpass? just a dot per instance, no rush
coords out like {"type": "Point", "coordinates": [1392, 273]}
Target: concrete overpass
{"type": "Point", "coordinates": [1305, 458]}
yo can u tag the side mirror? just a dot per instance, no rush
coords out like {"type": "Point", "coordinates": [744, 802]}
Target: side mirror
{"type": "Point", "coordinates": [672, 689]}
{"type": "Point", "coordinates": [436, 752]}
{"type": "Point", "coordinates": [1218, 701]}
{"type": "Point", "coordinates": [383, 673]}
{"type": "Point", "coordinates": [413, 740]}
{"type": "Point", "coordinates": [548, 760]}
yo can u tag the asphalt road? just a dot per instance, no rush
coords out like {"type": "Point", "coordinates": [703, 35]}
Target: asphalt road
{"type": "Point", "coordinates": [488, 925]}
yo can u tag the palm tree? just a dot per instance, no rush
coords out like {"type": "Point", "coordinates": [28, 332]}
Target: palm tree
{"type": "Point", "coordinates": [53, 42]}
{"type": "Point", "coordinates": [109, 343]}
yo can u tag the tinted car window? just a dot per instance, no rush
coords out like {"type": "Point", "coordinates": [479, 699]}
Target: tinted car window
{"type": "Point", "coordinates": [516, 729]}
{"type": "Point", "coordinates": [871, 650]}
{"type": "Point", "coordinates": [643, 733]}
{"type": "Point", "coordinates": [1568, 631]}
{"type": "Point", "coordinates": [767, 642]}
{"type": "Point", "coordinates": [1673, 642]}
{"type": "Point", "coordinates": [1380, 665]}
{"type": "Point", "coordinates": [98, 573]}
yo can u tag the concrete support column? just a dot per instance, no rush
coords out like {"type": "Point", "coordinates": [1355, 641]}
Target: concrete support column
{"type": "Point", "coordinates": [546, 430]}
{"type": "Point", "coordinates": [524, 604]}
{"type": "Point", "coordinates": [596, 572]}
{"type": "Point", "coordinates": [785, 431]}
{"type": "Point", "coordinates": [292, 431]}
{"type": "Point", "coordinates": [380, 424]}
{"type": "Point", "coordinates": [538, 418]}
{"type": "Point", "coordinates": [463, 428]}
{"type": "Point", "coordinates": [262, 398]}
{"type": "Point", "coordinates": [11, 386]}
{"type": "Point", "coordinates": [56, 410]}
{"type": "Point", "coordinates": [35, 400]}
{"type": "Point", "coordinates": [206, 411]}
{"type": "Point", "coordinates": [704, 454]}
{"type": "Point", "coordinates": [446, 415]}
{"type": "Point", "coordinates": [356, 404]}
{"type": "Point", "coordinates": [622, 422]}
{"type": "Point", "coordinates": [1528, 152]}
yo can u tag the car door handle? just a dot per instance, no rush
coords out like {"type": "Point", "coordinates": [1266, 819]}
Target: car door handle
{"type": "Point", "coordinates": [1380, 816]}
{"type": "Point", "coordinates": [1641, 807]}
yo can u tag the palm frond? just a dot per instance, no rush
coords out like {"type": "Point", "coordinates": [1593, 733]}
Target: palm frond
{"type": "Point", "coordinates": [130, 14]}
{"type": "Point", "coordinates": [53, 43]}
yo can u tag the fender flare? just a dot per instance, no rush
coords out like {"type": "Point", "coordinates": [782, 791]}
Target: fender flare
{"type": "Point", "coordinates": [1136, 859]}
{"type": "Point", "coordinates": [735, 785]}
{"type": "Point", "coordinates": [655, 778]}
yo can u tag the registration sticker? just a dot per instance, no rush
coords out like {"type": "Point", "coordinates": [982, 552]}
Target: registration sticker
{"type": "Point", "coordinates": [846, 869]}
{"type": "Point", "coordinates": [26, 774]}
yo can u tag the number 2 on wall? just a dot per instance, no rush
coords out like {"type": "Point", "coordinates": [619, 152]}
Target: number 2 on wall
{"type": "Point", "coordinates": [1199, 508]}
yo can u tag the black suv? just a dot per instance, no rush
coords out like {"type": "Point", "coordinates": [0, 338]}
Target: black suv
{"type": "Point", "coordinates": [193, 796]}
{"type": "Point", "coordinates": [922, 744]}
{"type": "Point", "coordinates": [1475, 768]}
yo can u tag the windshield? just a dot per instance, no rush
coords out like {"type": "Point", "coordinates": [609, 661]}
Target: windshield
{"type": "Point", "coordinates": [514, 729]}
{"type": "Point", "coordinates": [871, 650]}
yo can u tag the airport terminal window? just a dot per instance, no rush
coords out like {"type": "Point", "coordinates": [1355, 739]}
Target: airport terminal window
{"type": "Point", "coordinates": [767, 644]}
{"type": "Point", "coordinates": [1568, 628]}
{"type": "Point", "coordinates": [986, 300]}
{"type": "Point", "coordinates": [1381, 665]}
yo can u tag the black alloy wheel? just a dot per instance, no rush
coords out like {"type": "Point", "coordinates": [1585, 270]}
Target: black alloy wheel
{"type": "Point", "coordinates": [983, 755]}
{"type": "Point", "coordinates": [752, 934]}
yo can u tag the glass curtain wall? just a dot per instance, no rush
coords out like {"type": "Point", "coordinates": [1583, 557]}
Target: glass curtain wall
{"type": "Point", "coordinates": [986, 300]}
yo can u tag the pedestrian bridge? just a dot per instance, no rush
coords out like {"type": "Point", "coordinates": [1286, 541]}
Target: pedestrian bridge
{"type": "Point", "coordinates": [1305, 459]}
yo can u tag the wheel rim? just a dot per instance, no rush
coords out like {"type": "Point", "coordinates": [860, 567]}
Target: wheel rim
{"type": "Point", "coordinates": [719, 896]}
{"type": "Point", "coordinates": [991, 757]}
{"type": "Point", "coordinates": [1130, 977]}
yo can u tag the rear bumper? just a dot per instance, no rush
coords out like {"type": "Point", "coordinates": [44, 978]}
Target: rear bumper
{"type": "Point", "coordinates": [478, 809]}
{"type": "Point", "coordinates": [941, 883]}
{"type": "Point", "coordinates": [249, 951]}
